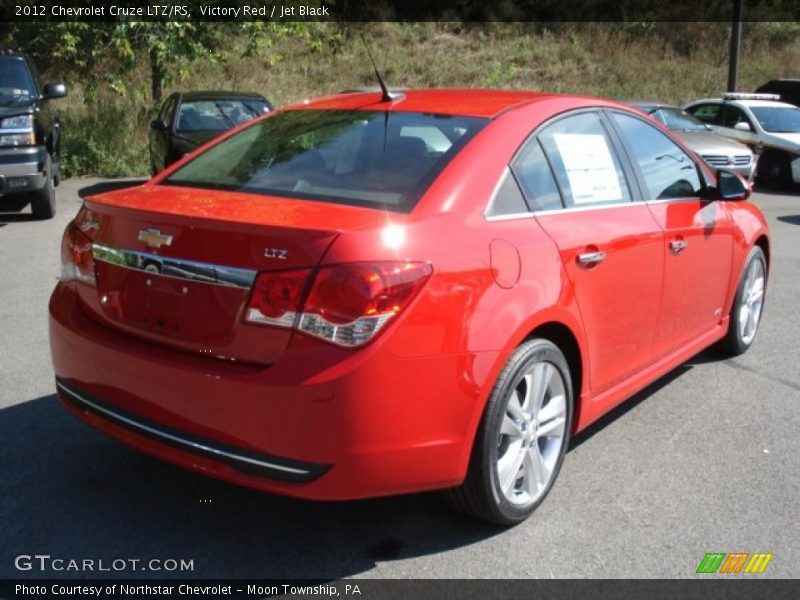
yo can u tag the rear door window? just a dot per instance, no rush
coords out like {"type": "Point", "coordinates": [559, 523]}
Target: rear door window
{"type": "Point", "coordinates": [586, 166]}
{"type": "Point", "coordinates": [707, 113]}
{"type": "Point", "coordinates": [535, 177]}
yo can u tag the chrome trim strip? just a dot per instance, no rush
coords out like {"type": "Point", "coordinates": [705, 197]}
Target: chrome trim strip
{"type": "Point", "coordinates": [510, 217]}
{"type": "Point", "coordinates": [16, 131]}
{"type": "Point", "coordinates": [176, 268]}
{"type": "Point", "coordinates": [196, 446]}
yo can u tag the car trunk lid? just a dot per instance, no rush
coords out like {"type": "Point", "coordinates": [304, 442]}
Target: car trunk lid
{"type": "Point", "coordinates": [175, 265]}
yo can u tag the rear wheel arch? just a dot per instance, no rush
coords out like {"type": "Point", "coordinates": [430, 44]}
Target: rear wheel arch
{"type": "Point", "coordinates": [563, 337]}
{"type": "Point", "coordinates": [763, 243]}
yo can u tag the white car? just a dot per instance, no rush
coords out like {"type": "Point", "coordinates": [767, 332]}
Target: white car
{"type": "Point", "coordinates": [769, 127]}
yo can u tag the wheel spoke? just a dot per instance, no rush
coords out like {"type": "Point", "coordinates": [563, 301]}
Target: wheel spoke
{"type": "Point", "coordinates": [536, 471]}
{"type": "Point", "coordinates": [514, 407]}
{"type": "Point", "coordinates": [751, 323]}
{"type": "Point", "coordinates": [757, 290]}
{"type": "Point", "coordinates": [510, 427]}
{"type": "Point", "coordinates": [744, 317]}
{"type": "Point", "coordinates": [555, 408]}
{"type": "Point", "coordinates": [539, 382]}
{"type": "Point", "coordinates": [508, 467]}
{"type": "Point", "coordinates": [552, 428]}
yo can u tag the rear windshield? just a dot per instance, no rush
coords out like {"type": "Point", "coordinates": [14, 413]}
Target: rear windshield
{"type": "Point", "coordinates": [218, 114]}
{"type": "Point", "coordinates": [679, 120]}
{"type": "Point", "coordinates": [377, 159]}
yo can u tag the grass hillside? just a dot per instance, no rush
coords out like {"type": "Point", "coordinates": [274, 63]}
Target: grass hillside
{"type": "Point", "coordinates": [106, 131]}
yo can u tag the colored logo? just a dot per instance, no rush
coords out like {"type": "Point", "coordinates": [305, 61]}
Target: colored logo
{"type": "Point", "coordinates": [735, 562]}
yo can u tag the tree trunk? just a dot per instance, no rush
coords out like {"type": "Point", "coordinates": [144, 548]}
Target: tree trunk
{"type": "Point", "coordinates": [156, 77]}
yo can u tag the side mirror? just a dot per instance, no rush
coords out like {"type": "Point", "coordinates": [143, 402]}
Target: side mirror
{"type": "Point", "coordinates": [54, 90]}
{"type": "Point", "coordinates": [158, 125]}
{"type": "Point", "coordinates": [742, 126]}
{"type": "Point", "coordinates": [731, 186]}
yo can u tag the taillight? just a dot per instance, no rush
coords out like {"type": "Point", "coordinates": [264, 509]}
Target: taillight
{"type": "Point", "coordinates": [77, 262]}
{"type": "Point", "coordinates": [346, 305]}
{"type": "Point", "coordinates": [276, 297]}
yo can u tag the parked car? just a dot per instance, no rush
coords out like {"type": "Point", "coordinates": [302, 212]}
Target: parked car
{"type": "Point", "coordinates": [30, 137]}
{"type": "Point", "coordinates": [770, 127]}
{"type": "Point", "coordinates": [324, 304]}
{"type": "Point", "coordinates": [716, 150]}
{"type": "Point", "coordinates": [787, 90]}
{"type": "Point", "coordinates": [187, 120]}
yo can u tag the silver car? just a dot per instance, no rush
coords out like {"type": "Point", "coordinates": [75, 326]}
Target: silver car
{"type": "Point", "coordinates": [717, 151]}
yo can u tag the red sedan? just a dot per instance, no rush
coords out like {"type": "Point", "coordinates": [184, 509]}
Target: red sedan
{"type": "Point", "coordinates": [355, 297]}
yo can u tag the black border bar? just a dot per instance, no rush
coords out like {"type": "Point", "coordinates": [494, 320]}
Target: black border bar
{"type": "Point", "coordinates": [396, 10]}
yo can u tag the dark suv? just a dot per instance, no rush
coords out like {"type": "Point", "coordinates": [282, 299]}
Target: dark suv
{"type": "Point", "coordinates": [29, 137]}
{"type": "Point", "coordinates": [787, 89]}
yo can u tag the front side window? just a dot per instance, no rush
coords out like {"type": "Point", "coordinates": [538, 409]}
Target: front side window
{"type": "Point", "coordinates": [667, 170]}
{"type": "Point", "coordinates": [584, 163]}
{"type": "Point", "coordinates": [779, 119]}
{"type": "Point", "coordinates": [733, 116]}
{"type": "Point", "coordinates": [359, 157]}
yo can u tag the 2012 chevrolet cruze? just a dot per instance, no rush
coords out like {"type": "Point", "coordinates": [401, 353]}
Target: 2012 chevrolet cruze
{"type": "Point", "coordinates": [361, 296]}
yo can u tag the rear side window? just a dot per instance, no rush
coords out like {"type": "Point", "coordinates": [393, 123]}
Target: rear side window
{"type": "Point", "coordinates": [364, 158]}
{"type": "Point", "coordinates": [586, 167]}
{"type": "Point", "coordinates": [707, 113]}
{"type": "Point", "coordinates": [508, 199]}
{"type": "Point", "coordinates": [533, 173]}
{"type": "Point", "coordinates": [667, 170]}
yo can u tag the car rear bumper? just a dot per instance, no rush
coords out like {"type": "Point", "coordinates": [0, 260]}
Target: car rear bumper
{"type": "Point", "coordinates": [22, 169]}
{"type": "Point", "coordinates": [309, 426]}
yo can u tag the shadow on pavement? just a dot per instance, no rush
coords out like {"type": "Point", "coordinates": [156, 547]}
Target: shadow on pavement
{"type": "Point", "coordinates": [628, 405]}
{"type": "Point", "coordinates": [109, 186]}
{"type": "Point", "coordinates": [791, 219]}
{"type": "Point", "coordinates": [70, 492]}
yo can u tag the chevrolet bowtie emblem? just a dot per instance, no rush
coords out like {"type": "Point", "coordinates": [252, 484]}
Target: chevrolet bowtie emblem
{"type": "Point", "coordinates": [154, 238]}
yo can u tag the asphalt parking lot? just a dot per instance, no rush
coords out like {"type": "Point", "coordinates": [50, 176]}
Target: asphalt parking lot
{"type": "Point", "coordinates": [705, 460]}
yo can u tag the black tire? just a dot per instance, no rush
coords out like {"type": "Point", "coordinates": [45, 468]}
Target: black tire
{"type": "Point", "coordinates": [43, 201]}
{"type": "Point", "coordinates": [56, 174]}
{"type": "Point", "coordinates": [735, 342]}
{"type": "Point", "coordinates": [481, 494]}
{"type": "Point", "coordinates": [774, 170]}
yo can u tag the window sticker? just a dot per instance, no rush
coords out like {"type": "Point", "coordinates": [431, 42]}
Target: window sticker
{"type": "Point", "coordinates": [590, 167]}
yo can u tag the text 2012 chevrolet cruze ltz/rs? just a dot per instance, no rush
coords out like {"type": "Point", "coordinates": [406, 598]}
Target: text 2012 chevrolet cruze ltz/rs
{"type": "Point", "coordinates": [360, 296]}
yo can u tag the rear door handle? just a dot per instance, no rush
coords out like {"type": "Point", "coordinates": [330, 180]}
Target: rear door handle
{"type": "Point", "coordinates": [678, 246]}
{"type": "Point", "coordinates": [591, 258]}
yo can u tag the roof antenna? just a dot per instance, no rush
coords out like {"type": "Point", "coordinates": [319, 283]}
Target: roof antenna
{"type": "Point", "coordinates": [386, 95]}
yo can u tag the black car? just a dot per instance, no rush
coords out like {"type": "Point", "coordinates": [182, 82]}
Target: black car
{"type": "Point", "coordinates": [787, 89]}
{"type": "Point", "coordinates": [29, 137]}
{"type": "Point", "coordinates": [188, 119]}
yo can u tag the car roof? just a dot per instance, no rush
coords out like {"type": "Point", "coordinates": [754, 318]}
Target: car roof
{"type": "Point", "coordinates": [204, 94]}
{"type": "Point", "coordinates": [749, 103]}
{"type": "Point", "coordinates": [651, 106]}
{"type": "Point", "coordinates": [452, 101]}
